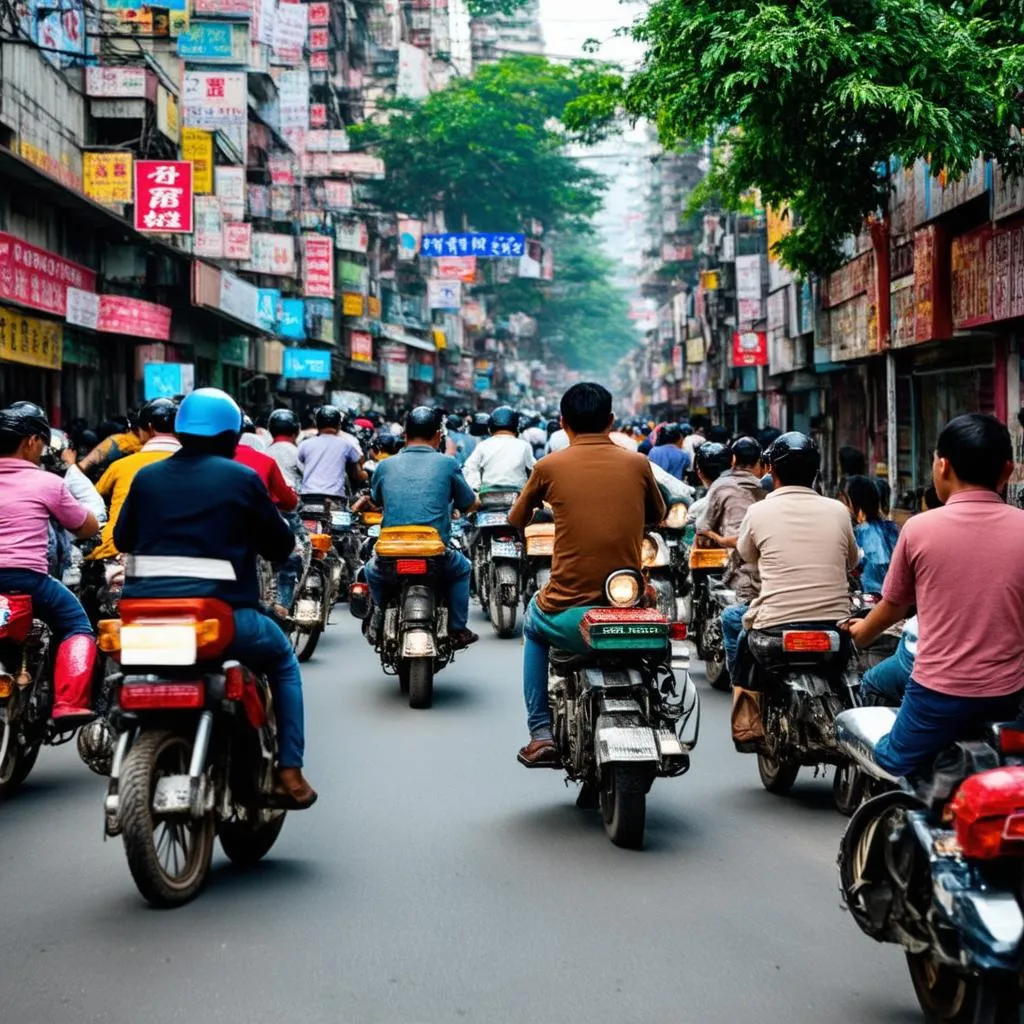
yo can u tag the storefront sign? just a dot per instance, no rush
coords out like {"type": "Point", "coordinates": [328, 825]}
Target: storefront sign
{"type": "Point", "coordinates": [851, 279]}
{"type": "Point", "coordinates": [291, 26]}
{"type": "Point", "coordinates": [229, 184]}
{"type": "Point", "coordinates": [267, 301]}
{"type": "Point", "coordinates": [307, 364]}
{"type": "Point", "coordinates": [197, 148]}
{"type": "Point", "coordinates": [1008, 273]}
{"type": "Point", "coordinates": [749, 278]}
{"type": "Point", "coordinates": [931, 317]}
{"type": "Point", "coordinates": [117, 83]}
{"type": "Point", "coordinates": [29, 340]}
{"type": "Point", "coordinates": [749, 348]}
{"type": "Point", "coordinates": [352, 236]}
{"type": "Point", "coordinates": [319, 13]}
{"type": "Point", "coordinates": [272, 254]}
{"type": "Point", "coordinates": [749, 311]}
{"type": "Point", "coordinates": [1008, 193]}
{"type": "Point", "coordinates": [338, 195]}
{"type": "Point", "coordinates": [119, 314]}
{"type": "Point", "coordinates": [224, 8]}
{"type": "Point", "coordinates": [695, 352]}
{"type": "Point", "coordinates": [318, 280]}
{"type": "Point", "coordinates": [353, 277]}
{"type": "Point", "coordinates": [214, 99]}
{"type": "Point", "coordinates": [851, 329]}
{"type": "Point", "coordinates": [168, 123]}
{"type": "Point", "coordinates": [259, 201]}
{"type": "Point", "coordinates": [291, 319]}
{"type": "Point", "coordinates": [901, 312]}
{"type": "Point", "coordinates": [947, 193]}
{"type": "Point", "coordinates": [237, 240]}
{"type": "Point", "coordinates": [444, 294]}
{"type": "Point", "coordinates": [108, 176]}
{"type": "Point", "coordinates": [458, 268]}
{"type": "Point", "coordinates": [351, 304]}
{"type": "Point", "coordinates": [777, 310]}
{"type": "Point", "coordinates": [209, 238]}
{"type": "Point", "coordinates": [971, 278]}
{"type": "Point", "coordinates": [410, 233]}
{"type": "Point", "coordinates": [360, 165]}
{"type": "Point", "coordinates": [239, 299]}
{"type": "Point", "coordinates": [373, 307]}
{"type": "Point", "coordinates": [215, 42]}
{"type": "Point", "coordinates": [37, 278]}
{"type": "Point", "coordinates": [167, 380]}
{"type": "Point", "coordinates": [396, 378]}
{"type": "Point", "coordinates": [163, 196]}
{"type": "Point", "coordinates": [491, 246]}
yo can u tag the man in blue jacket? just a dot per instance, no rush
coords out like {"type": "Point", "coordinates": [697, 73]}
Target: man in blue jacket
{"type": "Point", "coordinates": [193, 526]}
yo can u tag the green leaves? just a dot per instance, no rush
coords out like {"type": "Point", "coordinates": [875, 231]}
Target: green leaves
{"type": "Point", "coordinates": [483, 8]}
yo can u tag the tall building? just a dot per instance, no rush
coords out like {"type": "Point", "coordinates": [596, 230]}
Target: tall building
{"type": "Point", "coordinates": [504, 35]}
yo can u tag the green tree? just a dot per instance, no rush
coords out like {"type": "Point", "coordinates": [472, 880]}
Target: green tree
{"type": "Point", "coordinates": [490, 150]}
{"type": "Point", "coordinates": [808, 100]}
{"type": "Point", "coordinates": [483, 8]}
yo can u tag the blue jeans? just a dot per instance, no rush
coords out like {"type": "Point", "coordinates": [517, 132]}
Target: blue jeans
{"type": "Point", "coordinates": [887, 681]}
{"type": "Point", "coordinates": [456, 573]}
{"type": "Point", "coordinates": [261, 645]}
{"type": "Point", "coordinates": [51, 601]}
{"type": "Point", "coordinates": [928, 722]}
{"type": "Point", "coordinates": [732, 631]}
{"type": "Point", "coordinates": [288, 571]}
{"type": "Point", "coordinates": [541, 632]}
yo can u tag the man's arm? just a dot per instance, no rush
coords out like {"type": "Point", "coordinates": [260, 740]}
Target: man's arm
{"type": "Point", "coordinates": [746, 545]}
{"type": "Point", "coordinates": [287, 500]}
{"type": "Point", "coordinates": [530, 499]}
{"type": "Point", "coordinates": [530, 460]}
{"type": "Point", "coordinates": [883, 615]}
{"type": "Point", "coordinates": [852, 551]}
{"type": "Point", "coordinates": [273, 536]}
{"type": "Point", "coordinates": [473, 469]}
{"type": "Point", "coordinates": [354, 467]}
{"type": "Point", "coordinates": [463, 496]}
{"type": "Point", "coordinates": [83, 491]}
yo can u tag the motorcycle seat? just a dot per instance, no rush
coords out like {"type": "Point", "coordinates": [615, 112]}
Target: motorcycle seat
{"type": "Point", "coordinates": [498, 498]}
{"type": "Point", "coordinates": [410, 542]}
{"type": "Point", "coordinates": [858, 732]}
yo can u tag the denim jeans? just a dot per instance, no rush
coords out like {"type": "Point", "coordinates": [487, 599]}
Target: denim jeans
{"type": "Point", "coordinates": [541, 632]}
{"type": "Point", "coordinates": [51, 601]}
{"type": "Point", "coordinates": [732, 631]}
{"type": "Point", "coordinates": [261, 645]}
{"type": "Point", "coordinates": [928, 722]}
{"type": "Point", "coordinates": [289, 570]}
{"type": "Point", "coordinates": [886, 682]}
{"type": "Point", "coordinates": [456, 573]}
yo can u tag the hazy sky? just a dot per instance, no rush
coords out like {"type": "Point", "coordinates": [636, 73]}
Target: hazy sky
{"type": "Point", "coordinates": [569, 23]}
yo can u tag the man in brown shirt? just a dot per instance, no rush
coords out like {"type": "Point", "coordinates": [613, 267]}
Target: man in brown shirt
{"type": "Point", "coordinates": [601, 496]}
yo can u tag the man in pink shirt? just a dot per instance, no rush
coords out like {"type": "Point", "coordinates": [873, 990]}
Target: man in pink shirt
{"type": "Point", "coordinates": [30, 497]}
{"type": "Point", "coordinates": [962, 565]}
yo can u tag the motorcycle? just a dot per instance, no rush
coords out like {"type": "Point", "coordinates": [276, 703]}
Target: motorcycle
{"type": "Point", "coordinates": [317, 514]}
{"type": "Point", "coordinates": [935, 865]}
{"type": "Point", "coordinates": [707, 566]}
{"type": "Point", "coordinates": [412, 637]}
{"type": "Point", "coordinates": [540, 546]}
{"type": "Point", "coordinates": [618, 719]}
{"type": "Point", "coordinates": [657, 565]}
{"type": "Point", "coordinates": [679, 539]}
{"type": "Point", "coordinates": [195, 750]}
{"type": "Point", "coordinates": [497, 560]}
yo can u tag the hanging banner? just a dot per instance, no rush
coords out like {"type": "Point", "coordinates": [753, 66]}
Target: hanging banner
{"type": "Point", "coordinates": [237, 240]}
{"type": "Point", "coordinates": [267, 300]}
{"type": "Point", "coordinates": [444, 294]}
{"type": "Point", "coordinates": [119, 314]}
{"type": "Point", "coordinates": [458, 268]}
{"type": "Point", "coordinates": [272, 254]}
{"type": "Point", "coordinates": [291, 26]}
{"type": "Point", "coordinates": [197, 148]}
{"type": "Point", "coordinates": [209, 238]}
{"type": "Point", "coordinates": [749, 348]}
{"type": "Point", "coordinates": [38, 278]}
{"type": "Point", "coordinates": [352, 237]}
{"type": "Point", "coordinates": [307, 364]}
{"type": "Point", "coordinates": [214, 99]}
{"type": "Point", "coordinates": [30, 341]}
{"type": "Point", "coordinates": [163, 196]}
{"type": "Point", "coordinates": [107, 177]}
{"type": "Point", "coordinates": [318, 252]}
{"type": "Point", "coordinates": [490, 246]}
{"type": "Point", "coordinates": [229, 184]}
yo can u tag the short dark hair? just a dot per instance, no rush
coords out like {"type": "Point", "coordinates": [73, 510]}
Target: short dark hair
{"type": "Point", "coordinates": [978, 448]}
{"type": "Point", "coordinates": [718, 434]}
{"type": "Point", "coordinates": [9, 443]}
{"type": "Point", "coordinates": [746, 451]}
{"type": "Point", "coordinates": [852, 461]}
{"type": "Point", "coordinates": [220, 444]}
{"type": "Point", "coordinates": [587, 408]}
{"type": "Point", "coordinates": [864, 496]}
{"type": "Point", "coordinates": [422, 423]}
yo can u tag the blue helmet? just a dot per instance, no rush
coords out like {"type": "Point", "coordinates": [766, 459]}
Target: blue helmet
{"type": "Point", "coordinates": [208, 412]}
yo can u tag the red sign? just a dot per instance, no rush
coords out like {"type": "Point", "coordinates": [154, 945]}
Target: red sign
{"type": "Point", "coordinates": [319, 38]}
{"type": "Point", "coordinates": [749, 348]}
{"type": "Point", "coordinates": [319, 259]}
{"type": "Point", "coordinates": [457, 268]}
{"type": "Point", "coordinates": [361, 347]}
{"type": "Point", "coordinates": [319, 60]}
{"type": "Point", "coordinates": [931, 303]}
{"type": "Point", "coordinates": [317, 115]}
{"type": "Point", "coordinates": [163, 196]}
{"type": "Point", "coordinates": [319, 13]}
{"type": "Point", "coordinates": [37, 278]}
{"type": "Point", "coordinates": [120, 315]}
{"type": "Point", "coordinates": [971, 278]}
{"type": "Point", "coordinates": [237, 241]}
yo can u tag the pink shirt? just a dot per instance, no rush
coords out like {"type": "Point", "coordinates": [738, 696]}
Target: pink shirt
{"type": "Point", "coordinates": [28, 497]}
{"type": "Point", "coordinates": [963, 566]}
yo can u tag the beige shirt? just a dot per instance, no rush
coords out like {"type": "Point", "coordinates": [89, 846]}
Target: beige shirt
{"type": "Point", "coordinates": [804, 547]}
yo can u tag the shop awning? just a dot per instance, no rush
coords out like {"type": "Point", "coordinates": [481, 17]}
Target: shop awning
{"type": "Point", "coordinates": [392, 333]}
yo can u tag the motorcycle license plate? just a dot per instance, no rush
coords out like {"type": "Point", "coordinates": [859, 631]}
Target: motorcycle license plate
{"type": "Point", "coordinates": [491, 519]}
{"type": "Point", "coordinates": [312, 525]}
{"type": "Point", "coordinates": [341, 519]}
{"type": "Point", "coordinates": [504, 549]}
{"type": "Point", "coordinates": [165, 644]}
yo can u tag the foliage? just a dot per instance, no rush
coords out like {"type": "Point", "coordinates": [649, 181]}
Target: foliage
{"type": "Point", "coordinates": [808, 100]}
{"type": "Point", "coordinates": [490, 150]}
{"type": "Point", "coordinates": [484, 8]}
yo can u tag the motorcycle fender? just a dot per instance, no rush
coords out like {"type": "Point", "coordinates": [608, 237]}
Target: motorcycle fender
{"type": "Point", "coordinates": [621, 738]}
{"type": "Point", "coordinates": [417, 606]}
{"type": "Point", "coordinates": [991, 926]}
{"type": "Point", "coordinates": [419, 643]}
{"type": "Point", "coordinates": [172, 795]}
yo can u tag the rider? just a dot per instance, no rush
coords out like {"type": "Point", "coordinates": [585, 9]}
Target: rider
{"type": "Point", "coordinates": [332, 458]}
{"type": "Point", "coordinates": [599, 529]}
{"type": "Point", "coordinates": [876, 536]}
{"type": "Point", "coordinates": [460, 444]}
{"type": "Point", "coordinates": [30, 498]}
{"type": "Point", "coordinates": [711, 460]}
{"type": "Point", "coordinates": [125, 442]}
{"type": "Point", "coordinates": [156, 429]}
{"type": "Point", "coordinates": [503, 460]}
{"type": "Point", "coordinates": [953, 562]}
{"type": "Point", "coordinates": [668, 452]}
{"type": "Point", "coordinates": [417, 487]}
{"type": "Point", "coordinates": [195, 524]}
{"type": "Point", "coordinates": [283, 425]}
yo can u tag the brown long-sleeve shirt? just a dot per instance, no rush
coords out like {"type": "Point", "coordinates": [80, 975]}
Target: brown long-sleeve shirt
{"type": "Point", "coordinates": [602, 497]}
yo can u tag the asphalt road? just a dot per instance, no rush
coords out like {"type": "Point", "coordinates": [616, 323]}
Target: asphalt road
{"type": "Point", "coordinates": [437, 881]}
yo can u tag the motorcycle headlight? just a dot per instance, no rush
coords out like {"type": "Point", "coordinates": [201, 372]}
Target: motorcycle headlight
{"type": "Point", "coordinates": [650, 553]}
{"type": "Point", "coordinates": [624, 589]}
{"type": "Point", "coordinates": [676, 518]}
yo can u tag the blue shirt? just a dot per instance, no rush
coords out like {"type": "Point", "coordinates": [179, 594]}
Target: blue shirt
{"type": "Point", "coordinates": [465, 445]}
{"type": "Point", "coordinates": [418, 486]}
{"type": "Point", "coordinates": [202, 506]}
{"type": "Point", "coordinates": [671, 459]}
{"type": "Point", "coordinates": [876, 539]}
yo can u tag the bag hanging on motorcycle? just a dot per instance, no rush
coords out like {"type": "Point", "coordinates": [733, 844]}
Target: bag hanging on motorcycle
{"type": "Point", "coordinates": [747, 727]}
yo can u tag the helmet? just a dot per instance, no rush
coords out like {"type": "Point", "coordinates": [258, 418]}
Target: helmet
{"type": "Point", "coordinates": [481, 421]}
{"type": "Point", "coordinates": [503, 418]}
{"type": "Point", "coordinates": [25, 419]}
{"type": "Point", "coordinates": [55, 448]}
{"type": "Point", "coordinates": [455, 423]}
{"type": "Point", "coordinates": [713, 459]}
{"type": "Point", "coordinates": [386, 443]}
{"type": "Point", "coordinates": [283, 423]}
{"type": "Point", "coordinates": [794, 455]}
{"type": "Point", "coordinates": [685, 429]}
{"type": "Point", "coordinates": [327, 417]}
{"type": "Point", "coordinates": [424, 421]}
{"type": "Point", "coordinates": [158, 416]}
{"type": "Point", "coordinates": [248, 427]}
{"type": "Point", "coordinates": [208, 412]}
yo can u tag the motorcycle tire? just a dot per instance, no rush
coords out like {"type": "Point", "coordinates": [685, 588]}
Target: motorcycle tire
{"type": "Point", "coordinates": [777, 776]}
{"type": "Point", "coordinates": [18, 762]}
{"type": "Point", "coordinates": [304, 644]}
{"type": "Point", "coordinates": [403, 677]}
{"type": "Point", "coordinates": [153, 754]}
{"type": "Point", "coordinates": [421, 682]}
{"type": "Point", "coordinates": [245, 842]}
{"type": "Point", "coordinates": [849, 787]}
{"type": "Point", "coordinates": [504, 582]}
{"type": "Point", "coordinates": [947, 996]}
{"type": "Point", "coordinates": [717, 675]}
{"type": "Point", "coordinates": [624, 806]}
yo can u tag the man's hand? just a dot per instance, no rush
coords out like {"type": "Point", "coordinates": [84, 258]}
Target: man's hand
{"type": "Point", "coordinates": [857, 628]}
{"type": "Point", "coordinates": [68, 456]}
{"type": "Point", "coordinates": [865, 631]}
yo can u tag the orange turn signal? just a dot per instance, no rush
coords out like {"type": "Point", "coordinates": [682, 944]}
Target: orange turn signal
{"type": "Point", "coordinates": [108, 638]}
{"type": "Point", "coordinates": [321, 542]}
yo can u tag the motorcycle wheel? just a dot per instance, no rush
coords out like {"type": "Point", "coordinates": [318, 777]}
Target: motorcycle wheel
{"type": "Point", "coordinates": [246, 842]}
{"type": "Point", "coordinates": [421, 682]}
{"type": "Point", "coordinates": [16, 761]}
{"type": "Point", "coordinates": [503, 616]}
{"type": "Point", "coordinates": [848, 788]}
{"type": "Point", "coordinates": [777, 776]}
{"type": "Point", "coordinates": [169, 857]}
{"type": "Point", "coordinates": [403, 677]}
{"type": "Point", "coordinates": [624, 806]}
{"type": "Point", "coordinates": [949, 997]}
{"type": "Point", "coordinates": [717, 675]}
{"type": "Point", "coordinates": [304, 644]}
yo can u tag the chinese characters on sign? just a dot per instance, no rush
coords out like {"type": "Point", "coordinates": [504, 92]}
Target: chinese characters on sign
{"type": "Point", "coordinates": [108, 176]}
{"type": "Point", "coordinates": [214, 99]}
{"type": "Point", "coordinates": [37, 278]}
{"type": "Point", "coordinates": [237, 240]}
{"type": "Point", "coordinates": [197, 147]}
{"type": "Point", "coordinates": [28, 340]}
{"type": "Point", "coordinates": [319, 259]}
{"type": "Point", "coordinates": [473, 244]}
{"type": "Point", "coordinates": [118, 314]}
{"type": "Point", "coordinates": [749, 348]}
{"type": "Point", "coordinates": [163, 196]}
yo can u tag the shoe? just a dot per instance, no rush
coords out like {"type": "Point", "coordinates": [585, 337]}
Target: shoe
{"type": "Point", "coordinates": [462, 638]}
{"type": "Point", "coordinates": [293, 792]}
{"type": "Point", "coordinates": [539, 754]}
{"type": "Point", "coordinates": [66, 717]}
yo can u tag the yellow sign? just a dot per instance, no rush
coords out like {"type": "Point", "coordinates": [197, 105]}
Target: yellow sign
{"type": "Point", "coordinates": [29, 340]}
{"type": "Point", "coordinates": [167, 113]}
{"type": "Point", "coordinates": [779, 225]}
{"type": "Point", "coordinates": [108, 176]}
{"type": "Point", "coordinates": [373, 302]}
{"type": "Point", "coordinates": [197, 146]}
{"type": "Point", "coordinates": [440, 338]}
{"type": "Point", "coordinates": [709, 280]}
{"type": "Point", "coordinates": [179, 23]}
{"type": "Point", "coordinates": [351, 304]}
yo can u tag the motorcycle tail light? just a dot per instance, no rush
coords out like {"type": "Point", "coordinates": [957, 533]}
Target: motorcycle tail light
{"type": "Point", "coordinates": [321, 542]}
{"type": "Point", "coordinates": [108, 638]}
{"type": "Point", "coordinates": [801, 641]}
{"type": "Point", "coordinates": [359, 590]}
{"type": "Point", "coordinates": [161, 696]}
{"type": "Point", "coordinates": [411, 566]}
{"type": "Point", "coordinates": [988, 814]}
{"type": "Point", "coordinates": [6, 685]}
{"type": "Point", "coordinates": [1011, 740]}
{"type": "Point", "coordinates": [677, 631]}
{"type": "Point", "coordinates": [234, 681]}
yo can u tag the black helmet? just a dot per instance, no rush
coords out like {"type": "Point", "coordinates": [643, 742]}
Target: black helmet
{"type": "Point", "coordinates": [283, 423]}
{"type": "Point", "coordinates": [158, 415]}
{"type": "Point", "coordinates": [746, 451]}
{"type": "Point", "coordinates": [248, 427]}
{"type": "Point", "coordinates": [554, 425]}
{"type": "Point", "coordinates": [455, 423]}
{"type": "Point", "coordinates": [503, 418]}
{"type": "Point", "coordinates": [423, 423]}
{"type": "Point", "coordinates": [481, 421]}
{"type": "Point", "coordinates": [794, 457]}
{"type": "Point", "coordinates": [327, 417]}
{"type": "Point", "coordinates": [387, 442]}
{"type": "Point", "coordinates": [713, 459]}
{"type": "Point", "coordinates": [25, 419]}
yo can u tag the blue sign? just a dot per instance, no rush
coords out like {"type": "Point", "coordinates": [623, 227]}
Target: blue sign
{"type": "Point", "coordinates": [266, 309]}
{"type": "Point", "coordinates": [471, 243]}
{"type": "Point", "coordinates": [291, 319]}
{"type": "Point", "coordinates": [165, 380]}
{"type": "Point", "coordinates": [307, 364]}
{"type": "Point", "coordinates": [207, 40]}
